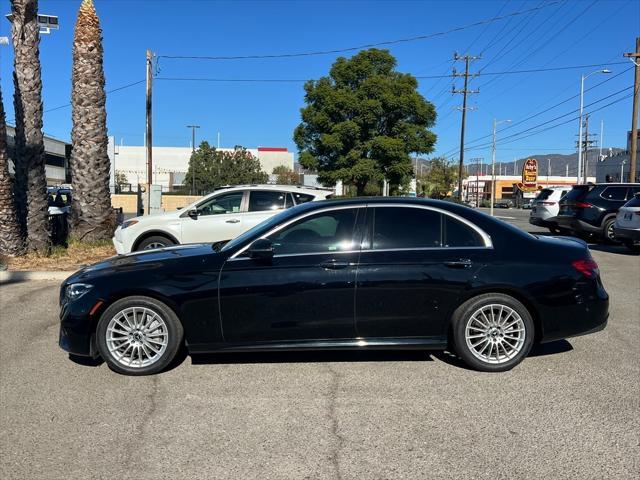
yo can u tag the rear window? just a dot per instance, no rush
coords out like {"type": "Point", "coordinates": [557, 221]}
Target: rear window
{"type": "Point", "coordinates": [634, 202]}
{"type": "Point", "coordinates": [302, 198]}
{"type": "Point", "coordinates": [614, 193]}
{"type": "Point", "coordinates": [544, 194]}
{"type": "Point", "coordinates": [577, 194]}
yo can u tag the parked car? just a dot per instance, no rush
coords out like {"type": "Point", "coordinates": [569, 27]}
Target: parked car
{"type": "Point", "coordinates": [219, 216]}
{"type": "Point", "coordinates": [546, 206]}
{"type": "Point", "coordinates": [527, 205]}
{"type": "Point", "coordinates": [626, 228]}
{"type": "Point", "coordinates": [59, 200]}
{"type": "Point", "coordinates": [590, 210]}
{"type": "Point", "coordinates": [502, 204]}
{"type": "Point", "coordinates": [375, 273]}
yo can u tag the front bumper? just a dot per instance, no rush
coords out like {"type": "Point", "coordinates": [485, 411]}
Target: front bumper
{"type": "Point", "coordinates": [119, 246]}
{"type": "Point", "coordinates": [78, 322]}
{"type": "Point", "coordinates": [632, 234]}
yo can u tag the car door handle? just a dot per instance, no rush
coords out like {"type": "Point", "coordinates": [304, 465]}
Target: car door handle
{"type": "Point", "coordinates": [461, 263]}
{"type": "Point", "coordinates": [335, 265]}
{"type": "Point", "coordinates": [233, 220]}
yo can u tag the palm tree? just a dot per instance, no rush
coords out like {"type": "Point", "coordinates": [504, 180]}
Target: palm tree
{"type": "Point", "coordinates": [30, 175]}
{"type": "Point", "coordinates": [91, 212]}
{"type": "Point", "coordinates": [11, 243]}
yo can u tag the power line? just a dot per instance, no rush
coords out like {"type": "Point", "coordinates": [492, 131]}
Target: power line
{"type": "Point", "coordinates": [360, 47]}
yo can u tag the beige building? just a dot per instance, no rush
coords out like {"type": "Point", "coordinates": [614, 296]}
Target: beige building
{"type": "Point", "coordinates": [170, 164]}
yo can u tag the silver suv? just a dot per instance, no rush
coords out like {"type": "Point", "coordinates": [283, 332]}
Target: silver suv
{"type": "Point", "coordinates": [545, 206]}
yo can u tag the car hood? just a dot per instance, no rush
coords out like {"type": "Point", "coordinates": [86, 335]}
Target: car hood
{"type": "Point", "coordinates": [143, 260]}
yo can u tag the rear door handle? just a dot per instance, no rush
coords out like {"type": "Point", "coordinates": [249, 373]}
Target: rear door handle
{"type": "Point", "coordinates": [461, 263]}
{"type": "Point", "coordinates": [233, 220]}
{"type": "Point", "coordinates": [335, 265]}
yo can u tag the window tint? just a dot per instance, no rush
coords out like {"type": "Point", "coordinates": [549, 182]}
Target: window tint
{"type": "Point", "coordinates": [544, 194]}
{"type": "Point", "coordinates": [614, 193]}
{"type": "Point", "coordinates": [634, 202]}
{"type": "Point", "coordinates": [289, 201]}
{"type": "Point", "coordinates": [577, 194]}
{"type": "Point", "coordinates": [261, 201]}
{"type": "Point", "coordinates": [226, 203]}
{"type": "Point", "coordinates": [302, 198]}
{"type": "Point", "coordinates": [457, 234]}
{"type": "Point", "coordinates": [398, 227]}
{"type": "Point", "coordinates": [322, 232]}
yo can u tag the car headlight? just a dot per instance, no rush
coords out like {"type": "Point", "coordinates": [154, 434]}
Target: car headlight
{"type": "Point", "coordinates": [128, 223]}
{"type": "Point", "coordinates": [76, 290]}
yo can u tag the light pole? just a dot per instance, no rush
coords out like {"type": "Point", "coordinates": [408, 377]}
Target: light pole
{"type": "Point", "coordinates": [193, 162]}
{"type": "Point", "coordinates": [493, 161]}
{"type": "Point", "coordinates": [582, 79]}
{"type": "Point", "coordinates": [622, 171]}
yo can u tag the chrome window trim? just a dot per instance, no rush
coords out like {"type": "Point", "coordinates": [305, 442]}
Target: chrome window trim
{"type": "Point", "coordinates": [488, 243]}
{"type": "Point", "coordinates": [282, 255]}
{"type": "Point", "coordinates": [293, 220]}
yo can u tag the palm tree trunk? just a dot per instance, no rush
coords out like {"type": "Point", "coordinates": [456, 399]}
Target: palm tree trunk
{"type": "Point", "coordinates": [11, 241]}
{"type": "Point", "coordinates": [92, 217]}
{"type": "Point", "coordinates": [31, 178]}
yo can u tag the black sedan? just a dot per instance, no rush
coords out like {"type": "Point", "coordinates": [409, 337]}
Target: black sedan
{"type": "Point", "coordinates": [341, 274]}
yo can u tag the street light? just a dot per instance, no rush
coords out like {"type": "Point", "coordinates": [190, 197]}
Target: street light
{"type": "Point", "coordinates": [582, 79]}
{"type": "Point", "coordinates": [493, 161]}
{"type": "Point", "coordinates": [193, 164]}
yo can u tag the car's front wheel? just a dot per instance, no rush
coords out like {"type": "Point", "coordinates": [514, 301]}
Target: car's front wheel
{"type": "Point", "coordinates": [138, 336]}
{"type": "Point", "coordinates": [492, 332]}
{"type": "Point", "coordinates": [157, 241]}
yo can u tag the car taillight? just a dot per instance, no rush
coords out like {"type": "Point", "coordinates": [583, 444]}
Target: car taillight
{"type": "Point", "coordinates": [588, 267]}
{"type": "Point", "coordinates": [582, 205]}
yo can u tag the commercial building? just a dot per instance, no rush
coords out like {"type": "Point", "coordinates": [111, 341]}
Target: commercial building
{"type": "Point", "coordinates": [170, 164]}
{"type": "Point", "coordinates": [56, 153]}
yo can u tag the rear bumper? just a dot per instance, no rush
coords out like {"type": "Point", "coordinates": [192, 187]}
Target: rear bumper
{"type": "Point", "coordinates": [576, 225]}
{"type": "Point", "coordinates": [540, 222]}
{"type": "Point", "coordinates": [632, 234]}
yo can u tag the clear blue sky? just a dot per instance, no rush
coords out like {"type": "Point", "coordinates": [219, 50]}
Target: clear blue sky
{"type": "Point", "coordinates": [568, 33]}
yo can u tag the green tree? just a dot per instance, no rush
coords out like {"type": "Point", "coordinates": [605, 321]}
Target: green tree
{"type": "Point", "coordinates": [362, 122]}
{"type": "Point", "coordinates": [286, 176]}
{"type": "Point", "coordinates": [439, 180]}
{"type": "Point", "coordinates": [120, 180]}
{"type": "Point", "coordinates": [210, 168]}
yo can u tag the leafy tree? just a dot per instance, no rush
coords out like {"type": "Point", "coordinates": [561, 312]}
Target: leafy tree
{"type": "Point", "coordinates": [210, 168]}
{"type": "Point", "coordinates": [439, 180]}
{"type": "Point", "coordinates": [92, 217]}
{"type": "Point", "coordinates": [30, 187]}
{"type": "Point", "coordinates": [362, 122]}
{"type": "Point", "coordinates": [286, 176]}
{"type": "Point", "coordinates": [120, 180]}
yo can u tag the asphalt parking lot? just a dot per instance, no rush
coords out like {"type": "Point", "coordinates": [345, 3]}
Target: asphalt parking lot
{"type": "Point", "coordinates": [571, 410]}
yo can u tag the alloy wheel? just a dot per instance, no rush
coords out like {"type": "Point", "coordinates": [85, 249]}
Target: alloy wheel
{"type": "Point", "coordinates": [137, 337]}
{"type": "Point", "coordinates": [495, 333]}
{"type": "Point", "coordinates": [154, 245]}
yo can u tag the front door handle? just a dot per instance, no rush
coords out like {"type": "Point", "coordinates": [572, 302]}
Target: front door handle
{"type": "Point", "coordinates": [460, 263]}
{"type": "Point", "coordinates": [334, 265]}
{"type": "Point", "coordinates": [233, 220]}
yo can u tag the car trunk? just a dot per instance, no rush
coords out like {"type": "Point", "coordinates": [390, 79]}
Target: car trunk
{"type": "Point", "coordinates": [574, 200]}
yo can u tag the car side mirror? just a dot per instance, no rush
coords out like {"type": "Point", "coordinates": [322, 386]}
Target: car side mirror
{"type": "Point", "coordinates": [261, 249]}
{"type": "Point", "coordinates": [193, 213]}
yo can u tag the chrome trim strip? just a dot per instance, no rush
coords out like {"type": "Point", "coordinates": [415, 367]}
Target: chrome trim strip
{"type": "Point", "coordinates": [282, 255]}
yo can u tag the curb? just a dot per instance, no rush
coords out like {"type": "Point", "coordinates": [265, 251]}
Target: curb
{"type": "Point", "coordinates": [21, 276]}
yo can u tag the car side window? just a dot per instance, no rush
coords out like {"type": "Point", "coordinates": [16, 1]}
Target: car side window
{"type": "Point", "coordinates": [406, 227]}
{"type": "Point", "coordinates": [323, 232]}
{"type": "Point", "coordinates": [614, 193]}
{"type": "Point", "coordinates": [457, 234]}
{"type": "Point", "coordinates": [260, 201]}
{"type": "Point", "coordinates": [226, 203]}
{"type": "Point", "coordinates": [302, 198]}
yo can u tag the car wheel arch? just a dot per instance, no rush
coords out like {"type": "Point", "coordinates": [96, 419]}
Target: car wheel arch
{"type": "Point", "coordinates": [152, 233]}
{"type": "Point", "coordinates": [512, 292]}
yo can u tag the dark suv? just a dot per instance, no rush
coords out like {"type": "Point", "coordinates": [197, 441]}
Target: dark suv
{"type": "Point", "coordinates": [591, 209]}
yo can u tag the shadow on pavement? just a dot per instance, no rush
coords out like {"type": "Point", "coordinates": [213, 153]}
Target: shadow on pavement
{"type": "Point", "coordinates": [619, 249]}
{"type": "Point", "coordinates": [551, 348]}
{"type": "Point", "coordinates": [86, 361]}
{"type": "Point", "coordinates": [313, 357]}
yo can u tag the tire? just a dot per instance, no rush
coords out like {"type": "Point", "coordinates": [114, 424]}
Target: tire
{"type": "Point", "coordinates": [156, 241]}
{"type": "Point", "coordinates": [512, 314]}
{"type": "Point", "coordinates": [130, 348]}
{"type": "Point", "coordinates": [607, 231]}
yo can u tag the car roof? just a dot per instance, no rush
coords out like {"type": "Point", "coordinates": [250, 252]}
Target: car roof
{"type": "Point", "coordinates": [270, 186]}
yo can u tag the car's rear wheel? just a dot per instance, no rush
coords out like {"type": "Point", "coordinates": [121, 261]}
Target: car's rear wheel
{"type": "Point", "coordinates": [609, 234]}
{"type": "Point", "coordinates": [492, 332]}
{"type": "Point", "coordinates": [156, 241]}
{"type": "Point", "coordinates": [138, 336]}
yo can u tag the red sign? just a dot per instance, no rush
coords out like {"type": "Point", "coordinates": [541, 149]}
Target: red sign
{"type": "Point", "coordinates": [530, 174]}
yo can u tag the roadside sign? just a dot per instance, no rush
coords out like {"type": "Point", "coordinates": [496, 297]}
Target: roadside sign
{"type": "Point", "coordinates": [530, 175]}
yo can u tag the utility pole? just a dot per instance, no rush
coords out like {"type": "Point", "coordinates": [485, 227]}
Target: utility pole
{"type": "Point", "coordinates": [633, 163]}
{"type": "Point", "coordinates": [193, 163]}
{"type": "Point", "coordinates": [583, 148]}
{"type": "Point", "coordinates": [601, 139]}
{"type": "Point", "coordinates": [586, 147]}
{"type": "Point", "coordinates": [148, 135]}
{"type": "Point", "coordinates": [467, 58]}
{"type": "Point", "coordinates": [493, 162]}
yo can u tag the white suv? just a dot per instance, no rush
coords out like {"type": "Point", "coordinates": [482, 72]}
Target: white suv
{"type": "Point", "coordinates": [546, 206]}
{"type": "Point", "coordinates": [219, 216]}
{"type": "Point", "coordinates": [627, 226]}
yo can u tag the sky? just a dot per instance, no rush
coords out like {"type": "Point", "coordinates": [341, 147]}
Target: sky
{"type": "Point", "coordinates": [564, 33]}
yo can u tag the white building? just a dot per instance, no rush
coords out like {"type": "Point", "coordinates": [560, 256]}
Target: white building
{"type": "Point", "coordinates": [170, 164]}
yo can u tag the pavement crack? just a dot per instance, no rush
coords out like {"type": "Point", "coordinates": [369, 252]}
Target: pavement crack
{"type": "Point", "coordinates": [337, 439]}
{"type": "Point", "coordinates": [151, 399]}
